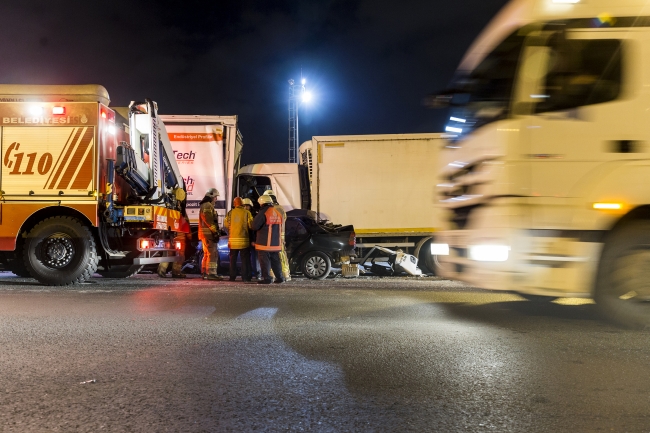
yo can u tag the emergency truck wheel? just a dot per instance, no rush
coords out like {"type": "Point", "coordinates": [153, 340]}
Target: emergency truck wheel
{"type": "Point", "coordinates": [60, 251]}
{"type": "Point", "coordinates": [121, 271]}
{"type": "Point", "coordinates": [622, 289]}
{"type": "Point", "coordinates": [426, 261]}
{"type": "Point", "coordinates": [316, 265]}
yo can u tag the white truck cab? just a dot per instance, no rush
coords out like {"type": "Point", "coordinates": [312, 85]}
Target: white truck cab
{"type": "Point", "coordinates": [545, 180]}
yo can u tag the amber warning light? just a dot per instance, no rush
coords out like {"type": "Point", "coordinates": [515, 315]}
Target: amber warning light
{"type": "Point", "coordinates": [58, 110]}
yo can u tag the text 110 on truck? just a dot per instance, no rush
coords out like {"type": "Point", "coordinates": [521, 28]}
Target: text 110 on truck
{"type": "Point", "coordinates": [85, 188]}
{"type": "Point", "coordinates": [546, 181]}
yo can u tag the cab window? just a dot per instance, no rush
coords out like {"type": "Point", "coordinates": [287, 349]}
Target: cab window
{"type": "Point", "coordinates": [581, 72]}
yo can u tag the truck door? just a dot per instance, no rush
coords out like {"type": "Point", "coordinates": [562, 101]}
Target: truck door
{"type": "Point", "coordinates": [577, 116]}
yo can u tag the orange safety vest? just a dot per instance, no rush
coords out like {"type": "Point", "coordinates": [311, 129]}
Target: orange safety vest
{"type": "Point", "coordinates": [269, 237]}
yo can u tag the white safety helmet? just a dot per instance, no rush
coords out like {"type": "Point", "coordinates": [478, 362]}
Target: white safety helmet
{"type": "Point", "coordinates": [212, 192]}
{"type": "Point", "coordinates": [269, 192]}
{"type": "Point", "coordinates": [264, 199]}
{"type": "Point", "coordinates": [247, 201]}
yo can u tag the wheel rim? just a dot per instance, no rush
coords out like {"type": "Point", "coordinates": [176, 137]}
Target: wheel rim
{"type": "Point", "coordinates": [315, 266]}
{"type": "Point", "coordinates": [56, 251]}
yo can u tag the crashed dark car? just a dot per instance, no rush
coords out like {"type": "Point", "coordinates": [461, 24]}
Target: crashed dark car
{"type": "Point", "coordinates": [313, 247]}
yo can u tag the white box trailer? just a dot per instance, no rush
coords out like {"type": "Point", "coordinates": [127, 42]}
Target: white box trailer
{"type": "Point", "coordinates": [382, 184]}
{"type": "Point", "coordinates": [208, 151]}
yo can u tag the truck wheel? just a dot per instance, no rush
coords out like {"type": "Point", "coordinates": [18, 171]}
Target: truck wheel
{"type": "Point", "coordinates": [426, 261]}
{"type": "Point", "coordinates": [622, 289]}
{"type": "Point", "coordinates": [60, 251]}
{"type": "Point", "coordinates": [316, 265]}
{"type": "Point", "coordinates": [121, 271]}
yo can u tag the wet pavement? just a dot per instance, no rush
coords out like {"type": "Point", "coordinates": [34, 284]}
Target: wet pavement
{"type": "Point", "coordinates": [391, 354]}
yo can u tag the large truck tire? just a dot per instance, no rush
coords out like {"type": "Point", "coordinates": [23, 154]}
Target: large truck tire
{"type": "Point", "coordinates": [120, 271]}
{"type": "Point", "coordinates": [622, 290]}
{"type": "Point", "coordinates": [60, 251]}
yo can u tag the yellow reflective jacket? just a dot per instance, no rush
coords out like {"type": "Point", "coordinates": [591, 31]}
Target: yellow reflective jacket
{"type": "Point", "coordinates": [208, 221]}
{"type": "Point", "coordinates": [238, 222]}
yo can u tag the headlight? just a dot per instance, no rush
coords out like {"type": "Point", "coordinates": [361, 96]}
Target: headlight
{"type": "Point", "coordinates": [489, 253]}
{"type": "Point", "coordinates": [440, 249]}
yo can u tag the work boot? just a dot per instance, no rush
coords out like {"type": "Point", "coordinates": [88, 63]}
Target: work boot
{"type": "Point", "coordinates": [179, 275]}
{"type": "Point", "coordinates": [162, 274]}
{"type": "Point", "coordinates": [212, 277]}
{"type": "Point", "coordinates": [264, 281]}
{"type": "Point", "coordinates": [279, 280]}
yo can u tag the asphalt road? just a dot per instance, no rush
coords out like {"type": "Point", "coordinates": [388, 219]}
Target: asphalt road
{"type": "Point", "coordinates": [151, 355]}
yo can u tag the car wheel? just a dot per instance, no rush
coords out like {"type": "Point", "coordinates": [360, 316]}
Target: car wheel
{"type": "Point", "coordinates": [622, 290]}
{"type": "Point", "coordinates": [120, 271]}
{"type": "Point", "coordinates": [316, 265]}
{"type": "Point", "coordinates": [60, 251]}
{"type": "Point", "coordinates": [426, 261]}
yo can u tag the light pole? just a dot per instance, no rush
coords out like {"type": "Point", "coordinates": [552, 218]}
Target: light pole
{"type": "Point", "coordinates": [297, 94]}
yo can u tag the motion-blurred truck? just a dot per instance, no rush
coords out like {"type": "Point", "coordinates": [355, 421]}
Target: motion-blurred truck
{"type": "Point", "coordinates": [546, 181]}
{"type": "Point", "coordinates": [64, 214]}
{"type": "Point", "coordinates": [384, 185]}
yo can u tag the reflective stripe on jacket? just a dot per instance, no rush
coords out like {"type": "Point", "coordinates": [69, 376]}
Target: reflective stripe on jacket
{"type": "Point", "coordinates": [238, 222]}
{"type": "Point", "coordinates": [284, 217]}
{"type": "Point", "coordinates": [268, 224]}
{"type": "Point", "coordinates": [208, 223]}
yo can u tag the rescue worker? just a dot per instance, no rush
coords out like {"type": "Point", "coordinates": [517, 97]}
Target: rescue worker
{"type": "Point", "coordinates": [268, 242]}
{"type": "Point", "coordinates": [256, 273]}
{"type": "Point", "coordinates": [177, 266]}
{"type": "Point", "coordinates": [209, 235]}
{"type": "Point", "coordinates": [238, 222]}
{"type": "Point", "coordinates": [283, 254]}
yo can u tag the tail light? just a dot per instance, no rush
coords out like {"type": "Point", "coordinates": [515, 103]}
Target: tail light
{"type": "Point", "coordinates": [58, 110]}
{"type": "Point", "coordinates": [353, 239]}
{"type": "Point", "coordinates": [178, 245]}
{"type": "Point", "coordinates": [144, 244]}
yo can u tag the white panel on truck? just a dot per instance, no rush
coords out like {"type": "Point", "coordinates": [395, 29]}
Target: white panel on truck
{"type": "Point", "coordinates": [199, 154]}
{"type": "Point", "coordinates": [381, 183]}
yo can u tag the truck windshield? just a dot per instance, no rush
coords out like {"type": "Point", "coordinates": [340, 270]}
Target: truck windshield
{"type": "Point", "coordinates": [483, 95]}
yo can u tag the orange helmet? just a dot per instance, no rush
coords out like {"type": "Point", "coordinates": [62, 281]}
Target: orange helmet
{"type": "Point", "coordinates": [238, 202]}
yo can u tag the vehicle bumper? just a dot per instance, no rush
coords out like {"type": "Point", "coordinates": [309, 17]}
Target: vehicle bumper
{"type": "Point", "coordinates": [540, 262]}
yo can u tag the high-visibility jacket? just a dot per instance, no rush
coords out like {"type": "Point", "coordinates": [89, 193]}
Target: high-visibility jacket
{"type": "Point", "coordinates": [284, 217]}
{"type": "Point", "coordinates": [208, 221]}
{"type": "Point", "coordinates": [238, 222]}
{"type": "Point", "coordinates": [268, 224]}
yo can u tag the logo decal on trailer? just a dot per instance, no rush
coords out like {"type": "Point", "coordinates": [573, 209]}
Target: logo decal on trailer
{"type": "Point", "coordinates": [60, 158]}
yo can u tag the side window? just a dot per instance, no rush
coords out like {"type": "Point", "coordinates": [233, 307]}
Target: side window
{"type": "Point", "coordinates": [252, 187]}
{"type": "Point", "coordinates": [581, 72]}
{"type": "Point", "coordinates": [295, 228]}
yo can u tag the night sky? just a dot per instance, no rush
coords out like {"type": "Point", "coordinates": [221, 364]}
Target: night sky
{"type": "Point", "coordinates": [368, 63]}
